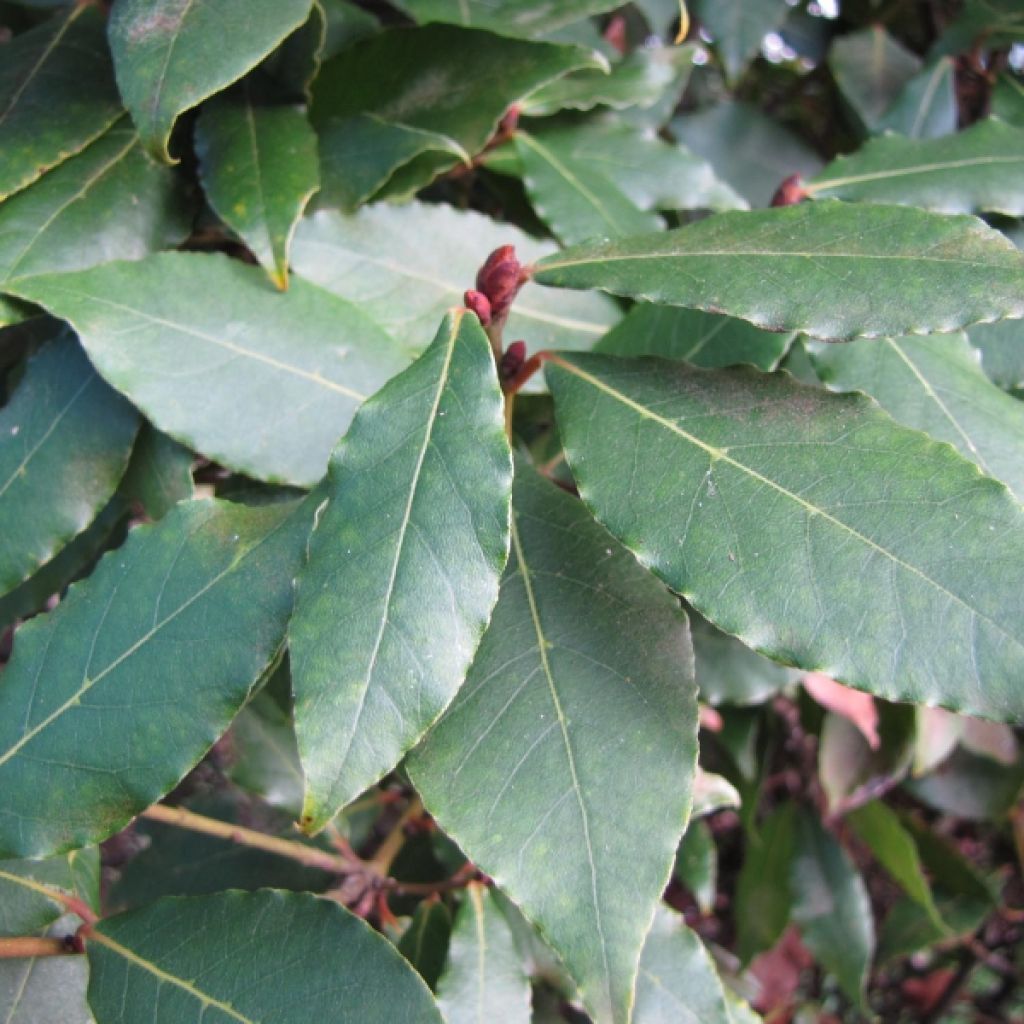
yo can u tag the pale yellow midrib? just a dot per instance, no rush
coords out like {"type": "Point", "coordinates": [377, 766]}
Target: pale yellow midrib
{"type": "Point", "coordinates": [43, 57]}
{"type": "Point", "coordinates": [902, 172]}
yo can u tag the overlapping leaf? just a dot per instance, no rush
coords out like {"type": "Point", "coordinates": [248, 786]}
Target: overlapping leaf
{"type": "Point", "coordinates": [109, 700]}
{"type": "Point", "coordinates": [281, 375]}
{"type": "Point", "coordinates": [811, 525]}
{"type": "Point", "coordinates": [25, 910]}
{"type": "Point", "coordinates": [65, 440]}
{"type": "Point", "coordinates": [170, 55]}
{"type": "Point", "coordinates": [527, 18]}
{"type": "Point", "coordinates": [258, 165]}
{"type": "Point", "coordinates": [926, 106]}
{"type": "Point", "coordinates": [581, 688]}
{"type": "Point", "coordinates": [403, 567]}
{"type": "Point", "coordinates": [57, 94]}
{"type": "Point", "coordinates": [156, 963]}
{"type": "Point", "coordinates": [980, 170]}
{"type": "Point", "coordinates": [832, 270]}
{"type": "Point", "coordinates": [738, 26]}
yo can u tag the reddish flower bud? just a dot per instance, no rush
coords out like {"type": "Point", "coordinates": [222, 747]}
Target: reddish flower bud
{"type": "Point", "coordinates": [508, 124]}
{"type": "Point", "coordinates": [512, 360]}
{"type": "Point", "coordinates": [790, 192]}
{"type": "Point", "coordinates": [500, 279]}
{"type": "Point", "coordinates": [477, 302]}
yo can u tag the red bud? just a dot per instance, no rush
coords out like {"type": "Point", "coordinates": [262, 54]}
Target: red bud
{"type": "Point", "coordinates": [790, 192]}
{"type": "Point", "coordinates": [500, 279]}
{"type": "Point", "coordinates": [512, 360]}
{"type": "Point", "coordinates": [477, 302]}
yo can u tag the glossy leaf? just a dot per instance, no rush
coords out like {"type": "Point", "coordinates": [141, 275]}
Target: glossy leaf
{"type": "Point", "coordinates": [407, 266]}
{"type": "Point", "coordinates": [108, 202]}
{"type": "Point", "coordinates": [527, 18]}
{"type": "Point", "coordinates": [425, 942]}
{"type": "Point", "coordinates": [282, 375]}
{"type": "Point", "coordinates": [831, 270]}
{"type": "Point", "coordinates": [484, 979]}
{"type": "Point", "coordinates": [831, 906]}
{"type": "Point", "coordinates": [258, 166]}
{"type": "Point", "coordinates": [170, 56]}
{"type": "Point", "coordinates": [862, 510]}
{"type": "Point", "coordinates": [738, 27]}
{"type": "Point", "coordinates": [57, 94]}
{"type": "Point", "coordinates": [704, 339]}
{"type": "Point", "coordinates": [108, 701]}
{"type": "Point", "coordinates": [763, 897]}
{"type": "Point", "coordinates": [935, 385]}
{"type": "Point", "coordinates": [580, 690]}
{"type": "Point", "coordinates": [65, 440]}
{"type": "Point", "coordinates": [678, 983]}
{"type": "Point", "coordinates": [926, 106]}
{"type": "Point", "coordinates": [980, 170]}
{"type": "Point", "coordinates": [24, 910]}
{"type": "Point", "coordinates": [155, 963]}
{"type": "Point", "coordinates": [403, 569]}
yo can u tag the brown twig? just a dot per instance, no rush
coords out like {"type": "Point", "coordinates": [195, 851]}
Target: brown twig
{"type": "Point", "coordinates": [26, 947]}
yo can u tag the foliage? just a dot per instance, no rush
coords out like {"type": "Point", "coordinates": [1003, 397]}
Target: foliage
{"type": "Point", "coordinates": [511, 511]}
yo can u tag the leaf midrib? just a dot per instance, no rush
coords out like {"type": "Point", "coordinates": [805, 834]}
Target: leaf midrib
{"type": "Point", "coordinates": [900, 172]}
{"type": "Point", "coordinates": [722, 454]}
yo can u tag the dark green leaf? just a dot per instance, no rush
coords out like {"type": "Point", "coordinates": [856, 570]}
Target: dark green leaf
{"type": "Point", "coordinates": [109, 700]}
{"type": "Point", "coordinates": [65, 440]}
{"type": "Point", "coordinates": [159, 474]}
{"type": "Point", "coordinates": [528, 18]}
{"type": "Point", "coordinates": [484, 979]}
{"type": "Point", "coordinates": [170, 55]}
{"type": "Point", "coordinates": [425, 942]}
{"type": "Point", "coordinates": [57, 94]}
{"type": "Point", "coordinates": [697, 865]}
{"type": "Point", "coordinates": [831, 270]}
{"type": "Point", "coordinates": [155, 963]}
{"type": "Point", "coordinates": [108, 202]}
{"type": "Point", "coordinates": [980, 170]}
{"type": "Point", "coordinates": [282, 375]}
{"type": "Point", "coordinates": [833, 554]}
{"type": "Point", "coordinates": [258, 166]}
{"type": "Point", "coordinates": [935, 385]}
{"type": "Point", "coordinates": [44, 989]}
{"type": "Point", "coordinates": [763, 898]}
{"type": "Point", "coordinates": [573, 734]}
{"type": "Point", "coordinates": [1002, 351]}
{"type": "Point", "coordinates": [403, 569]}
{"type": "Point", "coordinates": [831, 907]}
{"type": "Point", "coordinates": [704, 339]}
{"type": "Point", "coordinates": [991, 23]}
{"type": "Point", "coordinates": [1008, 99]}
{"type": "Point", "coordinates": [738, 26]}
{"type": "Point", "coordinates": [972, 787]}
{"type": "Point", "coordinates": [24, 910]}
{"type": "Point", "coordinates": [926, 106]}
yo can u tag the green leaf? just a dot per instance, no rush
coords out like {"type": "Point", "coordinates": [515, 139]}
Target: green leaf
{"type": "Point", "coordinates": [832, 554]}
{"type": "Point", "coordinates": [44, 989]}
{"type": "Point", "coordinates": [404, 567]}
{"type": "Point", "coordinates": [831, 907]}
{"type": "Point", "coordinates": [738, 27]}
{"type": "Point", "coordinates": [109, 700]}
{"type": "Point", "coordinates": [407, 266]}
{"type": "Point", "coordinates": [988, 23]}
{"type": "Point", "coordinates": [573, 734]}
{"type": "Point", "coordinates": [980, 170]}
{"type": "Point", "coordinates": [971, 787]}
{"type": "Point", "coordinates": [159, 474]}
{"type": "Point", "coordinates": [258, 166]}
{"type": "Point", "coordinates": [65, 440]}
{"type": "Point", "coordinates": [575, 200]}
{"type": "Point", "coordinates": [170, 55]}
{"type": "Point", "coordinates": [704, 339]}
{"type": "Point", "coordinates": [156, 963]}
{"type": "Point", "coordinates": [24, 910]}
{"type": "Point", "coordinates": [484, 979]}
{"type": "Point", "coordinates": [747, 149]}
{"type": "Point", "coordinates": [711, 793]}
{"type": "Point", "coordinates": [926, 106]}
{"type": "Point", "coordinates": [1008, 99]}
{"type": "Point", "coordinates": [57, 94]}
{"type": "Point", "coordinates": [881, 829]}
{"type": "Point", "coordinates": [935, 385]}
{"type": "Point", "coordinates": [425, 942]}
{"type": "Point", "coordinates": [282, 375]}
{"type": "Point", "coordinates": [450, 82]}
{"type": "Point", "coordinates": [871, 69]}
{"type": "Point", "coordinates": [526, 18]}
{"type": "Point", "coordinates": [831, 270]}
{"type": "Point", "coordinates": [696, 865]}
{"type": "Point", "coordinates": [108, 202]}
{"type": "Point", "coordinates": [763, 897]}
{"type": "Point", "coordinates": [678, 983]}
{"type": "Point", "coordinates": [1002, 352]}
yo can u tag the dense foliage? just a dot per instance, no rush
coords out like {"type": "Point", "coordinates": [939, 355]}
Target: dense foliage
{"type": "Point", "coordinates": [422, 422]}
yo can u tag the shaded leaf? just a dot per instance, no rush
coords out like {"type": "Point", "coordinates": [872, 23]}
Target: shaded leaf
{"type": "Point", "coordinates": [696, 865]}
{"type": "Point", "coordinates": [109, 700]}
{"type": "Point", "coordinates": [935, 385]}
{"type": "Point", "coordinates": [993, 23]}
{"type": "Point", "coordinates": [1008, 99]}
{"type": "Point", "coordinates": [711, 793]}
{"type": "Point", "coordinates": [484, 979]}
{"type": "Point", "coordinates": [170, 55]}
{"type": "Point", "coordinates": [282, 375]}
{"type": "Point", "coordinates": [65, 440]}
{"type": "Point", "coordinates": [972, 787]}
{"type": "Point", "coordinates": [581, 686]}
{"type": "Point", "coordinates": [45, 989]}
{"type": "Point", "coordinates": [57, 94]}
{"type": "Point", "coordinates": [159, 474]}
{"type": "Point", "coordinates": [425, 942]}
{"type": "Point", "coordinates": [936, 736]}
{"type": "Point", "coordinates": [527, 18]}
{"type": "Point", "coordinates": [737, 27]}
{"type": "Point", "coordinates": [406, 267]}
{"type": "Point", "coordinates": [696, 471]}
{"type": "Point", "coordinates": [258, 166]}
{"type": "Point", "coordinates": [980, 170]}
{"type": "Point", "coordinates": [24, 910]}
{"type": "Point", "coordinates": [403, 570]}
{"type": "Point", "coordinates": [926, 106]}
{"type": "Point", "coordinates": [155, 963]}
{"type": "Point", "coordinates": [831, 907]}
{"type": "Point", "coordinates": [1002, 352]}
{"type": "Point", "coordinates": [831, 270]}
